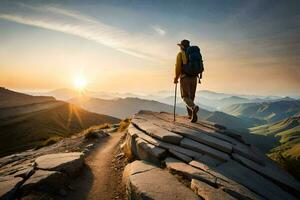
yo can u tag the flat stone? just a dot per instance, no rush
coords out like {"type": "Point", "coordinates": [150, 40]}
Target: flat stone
{"type": "Point", "coordinates": [138, 133]}
{"type": "Point", "coordinates": [209, 192]}
{"type": "Point", "coordinates": [9, 186]}
{"type": "Point", "coordinates": [136, 167]}
{"type": "Point", "coordinates": [210, 161]}
{"type": "Point", "coordinates": [270, 170]}
{"type": "Point", "coordinates": [69, 163]}
{"type": "Point", "coordinates": [149, 152]}
{"type": "Point", "coordinates": [184, 122]}
{"type": "Point", "coordinates": [252, 180]}
{"type": "Point", "coordinates": [246, 151]}
{"type": "Point", "coordinates": [198, 136]}
{"type": "Point", "coordinates": [181, 156]}
{"type": "Point", "coordinates": [149, 182]}
{"type": "Point", "coordinates": [188, 171]}
{"type": "Point", "coordinates": [157, 132]}
{"type": "Point", "coordinates": [202, 148]}
{"type": "Point", "coordinates": [48, 181]}
{"type": "Point", "coordinates": [230, 186]}
{"type": "Point", "coordinates": [233, 134]}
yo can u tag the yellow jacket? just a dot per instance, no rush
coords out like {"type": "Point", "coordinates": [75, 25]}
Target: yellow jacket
{"type": "Point", "coordinates": [180, 61]}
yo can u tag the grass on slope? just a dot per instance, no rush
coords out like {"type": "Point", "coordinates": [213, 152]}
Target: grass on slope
{"type": "Point", "coordinates": [276, 127]}
{"type": "Point", "coordinates": [32, 129]}
{"type": "Point", "coordinates": [286, 150]}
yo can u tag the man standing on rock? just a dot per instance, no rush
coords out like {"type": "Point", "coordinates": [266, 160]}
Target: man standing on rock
{"type": "Point", "coordinates": [189, 66]}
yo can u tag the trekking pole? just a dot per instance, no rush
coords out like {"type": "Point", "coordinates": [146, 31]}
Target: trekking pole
{"type": "Point", "coordinates": [175, 101]}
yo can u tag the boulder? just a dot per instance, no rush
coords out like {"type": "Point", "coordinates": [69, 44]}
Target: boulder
{"type": "Point", "coordinates": [9, 186]}
{"type": "Point", "coordinates": [144, 181]}
{"type": "Point", "coordinates": [69, 163]}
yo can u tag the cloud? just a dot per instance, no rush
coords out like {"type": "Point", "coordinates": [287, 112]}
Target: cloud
{"type": "Point", "coordinates": [159, 30]}
{"type": "Point", "coordinates": [74, 23]}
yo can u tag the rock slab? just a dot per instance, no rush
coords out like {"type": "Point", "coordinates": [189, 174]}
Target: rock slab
{"type": "Point", "coordinates": [69, 163]}
{"type": "Point", "coordinates": [47, 181]}
{"type": "Point", "coordinates": [144, 181]}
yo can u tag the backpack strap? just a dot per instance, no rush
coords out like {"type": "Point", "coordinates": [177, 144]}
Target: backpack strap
{"type": "Point", "coordinates": [184, 58]}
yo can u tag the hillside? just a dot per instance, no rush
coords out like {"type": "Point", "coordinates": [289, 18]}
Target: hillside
{"type": "Point", "coordinates": [285, 148]}
{"type": "Point", "coordinates": [270, 111]}
{"type": "Point", "coordinates": [10, 98]}
{"type": "Point", "coordinates": [32, 122]}
{"type": "Point", "coordinates": [123, 107]}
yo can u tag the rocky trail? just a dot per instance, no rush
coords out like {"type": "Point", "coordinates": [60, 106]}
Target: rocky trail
{"type": "Point", "coordinates": [101, 178]}
{"type": "Point", "coordinates": [167, 160]}
{"type": "Point", "coordinates": [86, 166]}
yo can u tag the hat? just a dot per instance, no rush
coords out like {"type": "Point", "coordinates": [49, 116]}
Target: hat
{"type": "Point", "coordinates": [184, 43]}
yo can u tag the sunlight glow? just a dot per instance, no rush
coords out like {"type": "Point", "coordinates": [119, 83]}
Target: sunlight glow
{"type": "Point", "coordinates": [80, 83]}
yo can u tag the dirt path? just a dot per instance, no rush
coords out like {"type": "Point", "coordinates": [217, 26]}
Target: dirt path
{"type": "Point", "coordinates": [101, 178]}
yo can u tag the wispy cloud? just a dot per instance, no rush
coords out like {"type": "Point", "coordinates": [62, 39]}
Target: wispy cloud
{"type": "Point", "coordinates": [75, 23]}
{"type": "Point", "coordinates": [159, 30]}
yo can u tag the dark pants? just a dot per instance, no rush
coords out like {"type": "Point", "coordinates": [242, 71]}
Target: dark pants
{"type": "Point", "coordinates": [188, 86]}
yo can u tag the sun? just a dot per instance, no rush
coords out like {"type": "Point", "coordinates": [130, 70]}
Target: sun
{"type": "Point", "coordinates": [80, 83]}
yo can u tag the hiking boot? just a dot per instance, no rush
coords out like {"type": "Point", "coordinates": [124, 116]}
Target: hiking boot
{"type": "Point", "coordinates": [194, 116]}
{"type": "Point", "coordinates": [190, 112]}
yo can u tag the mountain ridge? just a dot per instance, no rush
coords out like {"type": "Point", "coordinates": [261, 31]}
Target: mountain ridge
{"type": "Point", "coordinates": [29, 123]}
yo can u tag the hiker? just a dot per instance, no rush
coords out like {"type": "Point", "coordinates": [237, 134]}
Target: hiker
{"type": "Point", "coordinates": [189, 66]}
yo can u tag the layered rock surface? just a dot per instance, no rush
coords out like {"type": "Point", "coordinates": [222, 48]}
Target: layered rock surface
{"type": "Point", "coordinates": [211, 160]}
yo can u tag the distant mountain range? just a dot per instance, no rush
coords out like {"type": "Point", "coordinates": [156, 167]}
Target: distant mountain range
{"type": "Point", "coordinates": [28, 121]}
{"type": "Point", "coordinates": [219, 102]}
{"type": "Point", "coordinates": [126, 107]}
{"type": "Point", "coordinates": [269, 111]}
{"type": "Point", "coordinates": [123, 107]}
{"type": "Point", "coordinates": [207, 99]}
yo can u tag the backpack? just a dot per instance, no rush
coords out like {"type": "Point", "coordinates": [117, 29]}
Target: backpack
{"type": "Point", "coordinates": [194, 65]}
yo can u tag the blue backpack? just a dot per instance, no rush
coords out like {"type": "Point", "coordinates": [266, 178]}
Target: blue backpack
{"type": "Point", "coordinates": [194, 65]}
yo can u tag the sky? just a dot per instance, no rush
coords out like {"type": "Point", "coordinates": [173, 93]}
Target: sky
{"type": "Point", "coordinates": [249, 47]}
